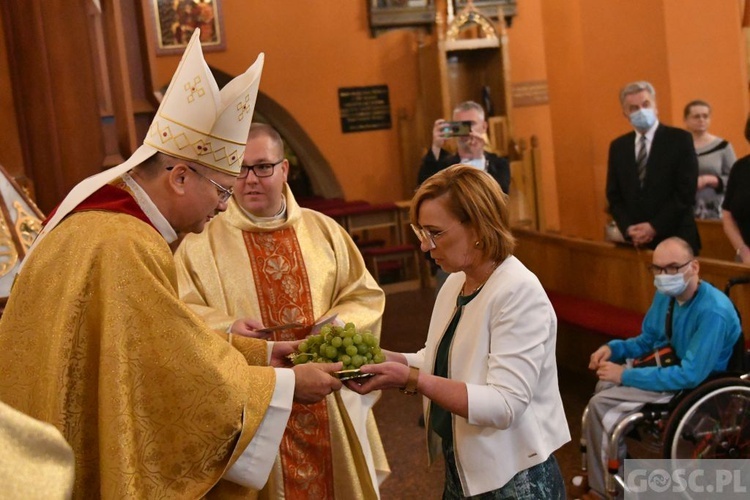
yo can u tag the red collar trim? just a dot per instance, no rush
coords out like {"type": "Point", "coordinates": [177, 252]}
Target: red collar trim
{"type": "Point", "coordinates": [109, 198]}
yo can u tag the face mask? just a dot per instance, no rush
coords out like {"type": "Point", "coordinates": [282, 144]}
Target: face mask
{"type": "Point", "coordinates": [643, 119]}
{"type": "Point", "coordinates": [670, 285]}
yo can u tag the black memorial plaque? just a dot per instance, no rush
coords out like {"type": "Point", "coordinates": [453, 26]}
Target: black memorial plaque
{"type": "Point", "coordinates": [364, 108]}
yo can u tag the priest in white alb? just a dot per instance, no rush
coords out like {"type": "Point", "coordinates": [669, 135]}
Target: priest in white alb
{"type": "Point", "coordinates": [268, 262]}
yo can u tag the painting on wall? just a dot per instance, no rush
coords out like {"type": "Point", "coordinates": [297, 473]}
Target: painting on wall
{"type": "Point", "coordinates": [174, 22]}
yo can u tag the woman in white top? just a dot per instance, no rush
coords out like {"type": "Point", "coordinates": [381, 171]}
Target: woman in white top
{"type": "Point", "coordinates": [487, 372]}
{"type": "Point", "coordinates": [715, 159]}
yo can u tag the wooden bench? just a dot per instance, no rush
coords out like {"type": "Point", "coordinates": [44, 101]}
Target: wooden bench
{"type": "Point", "coordinates": [594, 316]}
{"type": "Point", "coordinates": [583, 325]}
{"type": "Point", "coordinates": [714, 241]}
{"type": "Point", "coordinates": [392, 257]}
{"type": "Point", "coordinates": [396, 268]}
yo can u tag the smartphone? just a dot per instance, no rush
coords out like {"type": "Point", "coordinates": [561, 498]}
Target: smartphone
{"type": "Point", "coordinates": [456, 129]}
{"type": "Point", "coordinates": [351, 374]}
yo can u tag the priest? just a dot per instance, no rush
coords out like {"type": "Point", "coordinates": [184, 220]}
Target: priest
{"type": "Point", "coordinates": [266, 262]}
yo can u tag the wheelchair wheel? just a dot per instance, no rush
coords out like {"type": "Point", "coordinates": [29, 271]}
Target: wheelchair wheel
{"type": "Point", "coordinates": [713, 421]}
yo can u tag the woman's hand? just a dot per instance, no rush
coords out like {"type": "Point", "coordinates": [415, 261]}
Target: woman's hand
{"type": "Point", "coordinates": [708, 180]}
{"type": "Point", "coordinates": [388, 375]}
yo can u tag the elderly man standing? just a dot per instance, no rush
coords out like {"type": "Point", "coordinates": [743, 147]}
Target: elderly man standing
{"type": "Point", "coordinates": [652, 175]}
{"type": "Point", "coordinates": [470, 148]}
{"type": "Point", "coordinates": [697, 320]}
{"type": "Point", "coordinates": [95, 340]}
{"type": "Point", "coordinates": [268, 262]}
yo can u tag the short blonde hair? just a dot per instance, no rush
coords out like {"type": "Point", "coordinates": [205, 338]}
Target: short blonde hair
{"type": "Point", "coordinates": [475, 198]}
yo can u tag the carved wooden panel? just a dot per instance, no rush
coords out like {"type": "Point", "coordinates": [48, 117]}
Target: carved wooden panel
{"type": "Point", "coordinates": [52, 75]}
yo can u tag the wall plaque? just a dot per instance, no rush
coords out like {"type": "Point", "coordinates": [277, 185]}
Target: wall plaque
{"type": "Point", "coordinates": [364, 108]}
{"type": "Point", "coordinates": [531, 93]}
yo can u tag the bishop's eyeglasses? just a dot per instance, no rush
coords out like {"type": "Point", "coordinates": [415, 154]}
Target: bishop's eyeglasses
{"type": "Point", "coordinates": [224, 193]}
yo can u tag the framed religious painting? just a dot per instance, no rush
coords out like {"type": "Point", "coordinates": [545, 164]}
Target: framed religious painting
{"type": "Point", "coordinates": [174, 22]}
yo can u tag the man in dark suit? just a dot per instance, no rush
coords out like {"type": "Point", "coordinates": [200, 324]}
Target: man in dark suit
{"type": "Point", "coordinates": [470, 148]}
{"type": "Point", "coordinates": [652, 175]}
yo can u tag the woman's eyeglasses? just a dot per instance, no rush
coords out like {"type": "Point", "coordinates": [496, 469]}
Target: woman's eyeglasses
{"type": "Point", "coordinates": [427, 237]}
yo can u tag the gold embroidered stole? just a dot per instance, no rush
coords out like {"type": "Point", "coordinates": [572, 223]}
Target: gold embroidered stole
{"type": "Point", "coordinates": [283, 291]}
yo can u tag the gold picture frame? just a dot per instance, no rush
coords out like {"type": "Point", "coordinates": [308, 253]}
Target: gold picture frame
{"type": "Point", "coordinates": [174, 22]}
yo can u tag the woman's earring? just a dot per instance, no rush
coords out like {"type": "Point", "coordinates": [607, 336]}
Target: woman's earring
{"type": "Point", "coordinates": [476, 244]}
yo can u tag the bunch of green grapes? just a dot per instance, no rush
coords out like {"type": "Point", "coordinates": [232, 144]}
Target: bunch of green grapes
{"type": "Point", "coordinates": [337, 343]}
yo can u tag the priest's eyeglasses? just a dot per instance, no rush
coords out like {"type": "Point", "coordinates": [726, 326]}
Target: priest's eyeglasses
{"type": "Point", "coordinates": [427, 237]}
{"type": "Point", "coordinates": [670, 269]}
{"type": "Point", "coordinates": [224, 193]}
{"type": "Point", "coordinates": [259, 169]}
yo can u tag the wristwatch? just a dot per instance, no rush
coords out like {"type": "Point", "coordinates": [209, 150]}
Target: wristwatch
{"type": "Point", "coordinates": [411, 383]}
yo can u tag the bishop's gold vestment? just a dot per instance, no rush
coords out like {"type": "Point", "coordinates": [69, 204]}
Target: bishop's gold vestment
{"type": "Point", "coordinates": [224, 279]}
{"type": "Point", "coordinates": [95, 340]}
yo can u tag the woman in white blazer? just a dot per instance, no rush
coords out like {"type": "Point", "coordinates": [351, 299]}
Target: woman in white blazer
{"type": "Point", "coordinates": [487, 372]}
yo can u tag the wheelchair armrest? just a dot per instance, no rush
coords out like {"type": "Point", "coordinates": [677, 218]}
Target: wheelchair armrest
{"type": "Point", "coordinates": [653, 411]}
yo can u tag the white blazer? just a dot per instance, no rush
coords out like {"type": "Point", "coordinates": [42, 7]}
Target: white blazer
{"type": "Point", "coordinates": [504, 350]}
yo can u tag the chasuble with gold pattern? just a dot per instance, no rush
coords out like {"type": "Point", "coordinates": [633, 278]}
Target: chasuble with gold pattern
{"type": "Point", "coordinates": [95, 341]}
{"type": "Point", "coordinates": [301, 268]}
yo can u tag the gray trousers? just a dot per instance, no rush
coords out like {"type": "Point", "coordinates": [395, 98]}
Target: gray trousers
{"type": "Point", "coordinates": [610, 404]}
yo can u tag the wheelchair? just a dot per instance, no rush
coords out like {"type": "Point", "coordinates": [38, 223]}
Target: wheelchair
{"type": "Point", "coordinates": [710, 421]}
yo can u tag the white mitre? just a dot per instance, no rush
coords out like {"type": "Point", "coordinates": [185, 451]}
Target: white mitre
{"type": "Point", "coordinates": [195, 122]}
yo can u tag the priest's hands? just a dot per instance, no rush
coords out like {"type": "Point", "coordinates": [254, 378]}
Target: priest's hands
{"type": "Point", "coordinates": [314, 381]}
{"type": "Point", "coordinates": [248, 327]}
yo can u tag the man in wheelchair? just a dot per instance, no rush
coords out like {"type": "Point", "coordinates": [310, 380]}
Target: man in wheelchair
{"type": "Point", "coordinates": [696, 320]}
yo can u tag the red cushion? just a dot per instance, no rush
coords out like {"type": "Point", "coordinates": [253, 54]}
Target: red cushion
{"type": "Point", "coordinates": [596, 316]}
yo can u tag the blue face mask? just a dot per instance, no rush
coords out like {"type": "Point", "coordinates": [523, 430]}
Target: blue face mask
{"type": "Point", "coordinates": [670, 285]}
{"type": "Point", "coordinates": [643, 119]}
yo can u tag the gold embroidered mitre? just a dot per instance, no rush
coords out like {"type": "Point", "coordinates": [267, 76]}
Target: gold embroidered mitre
{"type": "Point", "coordinates": [195, 122]}
{"type": "Point", "coordinates": [199, 123]}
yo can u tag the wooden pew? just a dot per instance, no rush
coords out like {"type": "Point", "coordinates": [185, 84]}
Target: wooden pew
{"type": "Point", "coordinates": [611, 274]}
{"type": "Point", "coordinates": [714, 241]}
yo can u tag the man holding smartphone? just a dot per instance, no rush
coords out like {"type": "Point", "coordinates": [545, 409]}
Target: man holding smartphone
{"type": "Point", "coordinates": [469, 145]}
{"type": "Point", "coordinates": [469, 151]}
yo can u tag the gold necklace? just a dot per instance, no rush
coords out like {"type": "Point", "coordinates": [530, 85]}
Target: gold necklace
{"type": "Point", "coordinates": [494, 266]}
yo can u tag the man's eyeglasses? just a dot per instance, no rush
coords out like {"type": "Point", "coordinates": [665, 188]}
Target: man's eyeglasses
{"type": "Point", "coordinates": [427, 237]}
{"type": "Point", "coordinates": [260, 169]}
{"type": "Point", "coordinates": [224, 193]}
{"type": "Point", "coordinates": [670, 269]}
